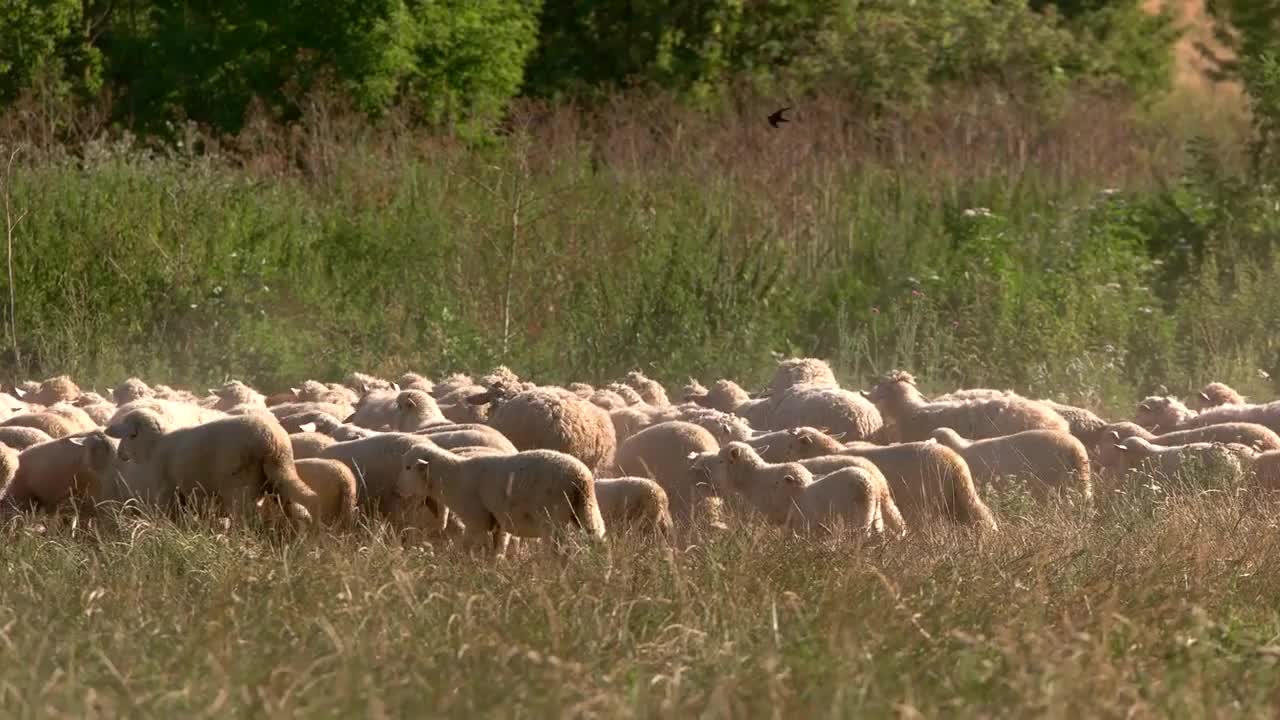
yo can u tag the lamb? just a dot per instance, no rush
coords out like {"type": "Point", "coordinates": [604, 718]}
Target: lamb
{"type": "Point", "coordinates": [660, 452]}
{"type": "Point", "coordinates": [48, 475]}
{"type": "Point", "coordinates": [308, 444]}
{"type": "Point", "coordinates": [928, 480]}
{"type": "Point", "coordinates": [376, 462]}
{"type": "Point", "coordinates": [1052, 461]}
{"type": "Point", "coordinates": [1215, 394]}
{"type": "Point", "coordinates": [531, 494]}
{"type": "Point", "coordinates": [130, 390]}
{"type": "Point", "coordinates": [651, 391]}
{"type": "Point", "coordinates": [414, 410]}
{"type": "Point", "coordinates": [235, 459]}
{"type": "Point", "coordinates": [335, 488]}
{"type": "Point", "coordinates": [20, 438]}
{"type": "Point", "coordinates": [1249, 434]}
{"type": "Point", "coordinates": [552, 420]}
{"type": "Point", "coordinates": [842, 411]}
{"type": "Point", "coordinates": [912, 418]}
{"type": "Point", "coordinates": [54, 390]}
{"type": "Point", "coordinates": [1191, 462]}
{"type": "Point", "coordinates": [787, 494]}
{"type": "Point", "coordinates": [634, 503]}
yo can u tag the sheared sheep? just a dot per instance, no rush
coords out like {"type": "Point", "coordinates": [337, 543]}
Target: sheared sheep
{"type": "Point", "coordinates": [532, 494]}
{"type": "Point", "coordinates": [414, 410]}
{"type": "Point", "coordinates": [236, 460]}
{"type": "Point", "coordinates": [909, 417]}
{"type": "Point", "coordinates": [309, 444]}
{"type": "Point", "coordinates": [552, 420]}
{"type": "Point", "coordinates": [376, 410]}
{"type": "Point", "coordinates": [1052, 461]}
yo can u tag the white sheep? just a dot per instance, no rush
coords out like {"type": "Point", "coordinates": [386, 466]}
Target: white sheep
{"type": "Point", "coordinates": [788, 494]}
{"type": "Point", "coordinates": [909, 417]}
{"type": "Point", "coordinates": [1215, 394]}
{"type": "Point", "coordinates": [841, 411]}
{"type": "Point", "coordinates": [928, 481]}
{"type": "Point", "coordinates": [52, 424]}
{"type": "Point", "coordinates": [531, 494]}
{"type": "Point", "coordinates": [376, 463]}
{"type": "Point", "coordinates": [636, 503]}
{"type": "Point", "coordinates": [651, 391]}
{"type": "Point", "coordinates": [176, 413]}
{"type": "Point", "coordinates": [1249, 434]}
{"type": "Point", "coordinates": [415, 410]}
{"type": "Point", "coordinates": [235, 460]}
{"type": "Point", "coordinates": [660, 452]}
{"type": "Point", "coordinates": [364, 383]}
{"type": "Point", "coordinates": [414, 381]}
{"type": "Point", "coordinates": [131, 389]}
{"type": "Point", "coordinates": [54, 390]}
{"type": "Point", "coordinates": [233, 394]}
{"type": "Point", "coordinates": [456, 436]}
{"type": "Point", "coordinates": [376, 410]}
{"type": "Point", "coordinates": [1198, 464]}
{"type": "Point", "coordinates": [1052, 461]}
{"type": "Point", "coordinates": [335, 488]}
{"type": "Point", "coordinates": [794, 372]}
{"type": "Point", "coordinates": [1084, 424]}
{"type": "Point", "coordinates": [20, 438]}
{"type": "Point", "coordinates": [48, 475]}
{"type": "Point", "coordinates": [309, 444]}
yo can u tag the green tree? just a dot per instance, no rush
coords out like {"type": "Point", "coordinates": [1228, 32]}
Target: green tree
{"type": "Point", "coordinates": [45, 37]}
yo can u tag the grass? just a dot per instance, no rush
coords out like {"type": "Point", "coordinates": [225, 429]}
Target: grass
{"type": "Point", "coordinates": [1150, 609]}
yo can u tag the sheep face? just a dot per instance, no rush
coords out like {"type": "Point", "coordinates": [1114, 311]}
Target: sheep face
{"type": "Point", "coordinates": [1160, 412]}
{"type": "Point", "coordinates": [415, 478]}
{"type": "Point", "coordinates": [138, 433]}
{"type": "Point", "coordinates": [709, 471]}
{"type": "Point", "coordinates": [808, 442]}
{"type": "Point", "coordinates": [1215, 394]}
{"type": "Point", "coordinates": [894, 390]}
{"type": "Point", "coordinates": [130, 390]}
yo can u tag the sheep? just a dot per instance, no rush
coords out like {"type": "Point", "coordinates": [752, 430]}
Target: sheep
{"type": "Point", "coordinates": [111, 479]}
{"type": "Point", "coordinates": [234, 459]}
{"type": "Point", "coordinates": [9, 462]}
{"type": "Point", "coordinates": [52, 424]}
{"type": "Point", "coordinates": [928, 480]}
{"type": "Point", "coordinates": [911, 418]}
{"type": "Point", "coordinates": [728, 397]}
{"type": "Point", "coordinates": [634, 502]}
{"type": "Point", "coordinates": [651, 391]}
{"type": "Point", "coordinates": [313, 391]}
{"type": "Point", "coordinates": [792, 444]}
{"type": "Point", "coordinates": [322, 422]}
{"type": "Point", "coordinates": [608, 400]}
{"type": "Point", "coordinates": [1266, 470]}
{"type": "Point", "coordinates": [726, 427]}
{"type": "Point", "coordinates": [839, 410]}
{"type": "Point", "coordinates": [164, 392]}
{"type": "Point", "coordinates": [334, 486]}
{"type": "Point", "coordinates": [376, 410]}
{"type": "Point", "coordinates": [97, 408]}
{"type": "Point", "coordinates": [582, 390]}
{"type": "Point", "coordinates": [54, 390]}
{"type": "Point", "coordinates": [309, 409]}
{"type": "Point", "coordinates": [176, 413]}
{"type": "Point", "coordinates": [20, 438]}
{"type": "Point", "coordinates": [1267, 414]}
{"type": "Point", "coordinates": [1215, 394]}
{"type": "Point", "coordinates": [974, 394]}
{"type": "Point", "coordinates": [414, 381]}
{"type": "Point", "coordinates": [48, 475]}
{"type": "Point", "coordinates": [468, 436]}
{"type": "Point", "coordinates": [233, 394]}
{"type": "Point", "coordinates": [552, 420]}
{"type": "Point", "coordinates": [1084, 424]}
{"type": "Point", "coordinates": [788, 494]}
{"type": "Point", "coordinates": [531, 494]}
{"type": "Point", "coordinates": [376, 462]}
{"type": "Point", "coordinates": [414, 410]}
{"type": "Point", "coordinates": [79, 419]}
{"type": "Point", "coordinates": [364, 384]}
{"type": "Point", "coordinates": [309, 444]}
{"type": "Point", "coordinates": [1193, 462]}
{"type": "Point", "coordinates": [1250, 434]}
{"type": "Point", "coordinates": [1165, 413]}
{"type": "Point", "coordinates": [131, 389]}
{"type": "Point", "coordinates": [1053, 461]}
{"type": "Point", "coordinates": [452, 384]}
{"type": "Point", "coordinates": [794, 372]}
{"type": "Point", "coordinates": [660, 452]}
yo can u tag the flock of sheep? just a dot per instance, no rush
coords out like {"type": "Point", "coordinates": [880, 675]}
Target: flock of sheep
{"type": "Point", "coordinates": [484, 460]}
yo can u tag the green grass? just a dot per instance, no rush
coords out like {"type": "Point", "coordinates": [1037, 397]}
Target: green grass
{"type": "Point", "coordinates": [1148, 609]}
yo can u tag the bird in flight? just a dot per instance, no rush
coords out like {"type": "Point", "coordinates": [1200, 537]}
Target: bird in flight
{"type": "Point", "coordinates": [776, 118]}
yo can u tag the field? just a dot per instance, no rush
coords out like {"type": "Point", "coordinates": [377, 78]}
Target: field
{"type": "Point", "coordinates": [1091, 255]}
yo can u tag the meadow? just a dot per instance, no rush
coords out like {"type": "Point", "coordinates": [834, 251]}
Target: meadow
{"type": "Point", "coordinates": [1093, 255]}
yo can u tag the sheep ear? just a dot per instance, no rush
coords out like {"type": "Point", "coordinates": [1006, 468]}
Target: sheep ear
{"type": "Point", "coordinates": [735, 453]}
{"type": "Point", "coordinates": [1144, 406]}
{"type": "Point", "coordinates": [1204, 395]}
{"type": "Point", "coordinates": [19, 392]}
{"type": "Point", "coordinates": [1114, 434]}
{"type": "Point", "coordinates": [840, 435]}
{"type": "Point", "coordinates": [409, 401]}
{"type": "Point", "coordinates": [865, 393]}
{"type": "Point", "coordinates": [349, 419]}
{"type": "Point", "coordinates": [792, 480]}
{"type": "Point", "coordinates": [295, 391]}
{"type": "Point", "coordinates": [692, 455]}
{"type": "Point", "coordinates": [395, 387]}
{"type": "Point", "coordinates": [806, 440]}
{"type": "Point", "coordinates": [1122, 448]}
{"type": "Point", "coordinates": [307, 427]}
{"type": "Point", "coordinates": [931, 441]}
{"type": "Point", "coordinates": [762, 449]}
{"type": "Point", "coordinates": [422, 463]}
{"type": "Point", "coordinates": [483, 398]}
{"type": "Point", "coordinates": [211, 391]}
{"type": "Point", "coordinates": [78, 441]}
